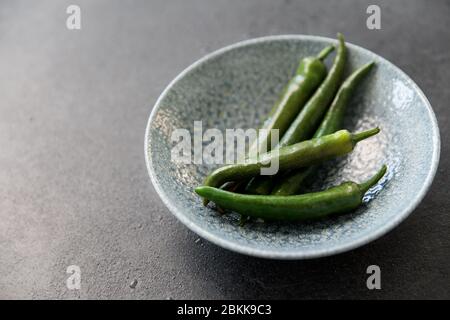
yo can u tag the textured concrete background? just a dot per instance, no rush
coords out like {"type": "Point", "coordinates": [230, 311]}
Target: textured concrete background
{"type": "Point", "coordinates": [73, 183]}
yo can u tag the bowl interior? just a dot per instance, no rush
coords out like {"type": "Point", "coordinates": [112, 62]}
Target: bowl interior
{"type": "Point", "coordinates": [236, 87]}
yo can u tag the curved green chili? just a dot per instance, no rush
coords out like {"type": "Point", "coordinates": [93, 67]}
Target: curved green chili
{"type": "Point", "coordinates": [290, 183]}
{"type": "Point", "coordinates": [343, 198]}
{"type": "Point", "coordinates": [309, 75]}
{"type": "Point", "coordinates": [309, 117]}
{"type": "Point", "coordinates": [298, 155]}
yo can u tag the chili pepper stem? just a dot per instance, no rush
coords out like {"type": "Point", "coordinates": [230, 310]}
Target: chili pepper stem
{"type": "Point", "coordinates": [357, 137]}
{"type": "Point", "coordinates": [372, 181]}
{"type": "Point", "coordinates": [325, 52]}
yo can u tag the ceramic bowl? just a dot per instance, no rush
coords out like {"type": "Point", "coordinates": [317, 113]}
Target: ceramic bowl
{"type": "Point", "coordinates": [236, 86]}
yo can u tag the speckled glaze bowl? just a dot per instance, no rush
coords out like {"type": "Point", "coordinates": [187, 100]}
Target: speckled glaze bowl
{"type": "Point", "coordinates": [236, 86]}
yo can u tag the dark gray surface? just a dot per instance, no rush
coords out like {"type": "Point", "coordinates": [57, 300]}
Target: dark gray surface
{"type": "Point", "coordinates": [73, 184]}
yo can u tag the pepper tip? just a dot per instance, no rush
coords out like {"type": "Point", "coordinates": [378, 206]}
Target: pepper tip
{"type": "Point", "coordinates": [357, 137]}
{"type": "Point", "coordinates": [325, 52]}
{"type": "Point", "coordinates": [373, 180]}
{"type": "Point", "coordinates": [200, 191]}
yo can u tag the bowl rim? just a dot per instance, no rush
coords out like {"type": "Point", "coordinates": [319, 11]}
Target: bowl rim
{"type": "Point", "coordinates": [308, 253]}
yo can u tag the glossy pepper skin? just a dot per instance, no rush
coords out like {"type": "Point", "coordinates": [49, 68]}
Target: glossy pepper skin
{"type": "Point", "coordinates": [298, 155]}
{"type": "Point", "coordinates": [309, 75]}
{"type": "Point", "coordinates": [291, 182]}
{"type": "Point", "coordinates": [308, 119]}
{"type": "Point", "coordinates": [343, 198]}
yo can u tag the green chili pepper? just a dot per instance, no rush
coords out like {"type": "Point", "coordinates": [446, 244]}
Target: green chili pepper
{"type": "Point", "coordinates": [308, 119]}
{"type": "Point", "coordinates": [309, 75]}
{"type": "Point", "coordinates": [343, 198]}
{"type": "Point", "coordinates": [291, 182]}
{"type": "Point", "coordinates": [298, 155]}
